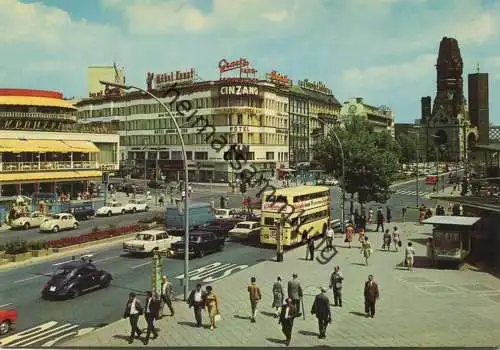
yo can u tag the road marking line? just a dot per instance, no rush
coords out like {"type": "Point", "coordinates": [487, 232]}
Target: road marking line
{"type": "Point", "coordinates": [63, 262]}
{"type": "Point", "coordinates": [20, 335]}
{"type": "Point", "coordinates": [27, 279]}
{"type": "Point", "coordinates": [4, 305]}
{"type": "Point", "coordinates": [140, 265]}
{"type": "Point", "coordinates": [107, 259]}
{"type": "Point", "coordinates": [61, 329]}
{"type": "Point", "coordinates": [52, 342]}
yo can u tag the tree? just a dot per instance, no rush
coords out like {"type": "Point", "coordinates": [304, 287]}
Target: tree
{"type": "Point", "coordinates": [370, 158]}
{"type": "Point", "coordinates": [408, 147]}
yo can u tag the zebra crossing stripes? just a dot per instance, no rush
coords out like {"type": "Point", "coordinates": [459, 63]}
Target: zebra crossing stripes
{"type": "Point", "coordinates": [44, 335]}
{"type": "Point", "coordinates": [412, 193]}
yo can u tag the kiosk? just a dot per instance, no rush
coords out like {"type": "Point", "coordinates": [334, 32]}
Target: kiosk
{"type": "Point", "coordinates": [451, 238]}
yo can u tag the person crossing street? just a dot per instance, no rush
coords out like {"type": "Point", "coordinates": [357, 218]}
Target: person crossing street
{"type": "Point", "coordinates": [336, 280]}
{"type": "Point", "coordinates": [321, 308]}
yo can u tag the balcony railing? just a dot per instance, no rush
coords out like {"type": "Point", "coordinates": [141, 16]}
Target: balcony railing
{"type": "Point", "coordinates": [42, 116]}
{"type": "Point", "coordinates": [13, 167]}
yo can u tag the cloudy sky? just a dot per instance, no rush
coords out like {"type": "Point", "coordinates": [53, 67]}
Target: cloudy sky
{"type": "Point", "coordinates": [382, 50]}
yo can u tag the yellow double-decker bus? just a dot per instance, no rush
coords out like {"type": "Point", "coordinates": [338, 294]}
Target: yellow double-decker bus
{"type": "Point", "coordinates": [303, 209]}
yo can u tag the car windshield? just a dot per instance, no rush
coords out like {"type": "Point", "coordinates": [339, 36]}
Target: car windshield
{"type": "Point", "coordinates": [144, 237]}
{"type": "Point", "coordinates": [214, 223]}
{"type": "Point", "coordinates": [243, 226]}
{"type": "Point", "coordinates": [54, 217]}
{"type": "Point", "coordinates": [63, 272]}
{"type": "Point", "coordinates": [109, 204]}
{"type": "Point", "coordinates": [221, 212]}
{"type": "Point", "coordinates": [132, 201]}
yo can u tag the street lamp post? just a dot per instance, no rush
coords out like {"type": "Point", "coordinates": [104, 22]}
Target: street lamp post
{"type": "Point", "coordinates": [186, 176]}
{"type": "Point", "coordinates": [418, 160]}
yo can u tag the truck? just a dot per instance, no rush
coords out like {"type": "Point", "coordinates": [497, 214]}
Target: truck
{"type": "Point", "coordinates": [199, 215]}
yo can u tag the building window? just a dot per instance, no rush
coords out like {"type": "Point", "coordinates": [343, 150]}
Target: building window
{"type": "Point", "coordinates": [240, 119]}
{"type": "Point", "coordinates": [189, 155]}
{"type": "Point", "coordinates": [164, 155]}
{"type": "Point", "coordinates": [240, 138]}
{"type": "Point", "coordinates": [251, 156]}
{"type": "Point", "coordinates": [176, 155]}
{"type": "Point", "coordinates": [269, 155]}
{"type": "Point", "coordinates": [201, 155]}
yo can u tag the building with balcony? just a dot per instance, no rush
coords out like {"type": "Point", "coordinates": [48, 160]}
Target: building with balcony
{"type": "Point", "coordinates": [44, 150]}
{"type": "Point", "coordinates": [250, 113]}
{"type": "Point", "coordinates": [382, 117]}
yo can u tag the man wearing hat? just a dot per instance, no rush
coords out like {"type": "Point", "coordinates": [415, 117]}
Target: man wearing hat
{"type": "Point", "coordinates": [295, 293]}
{"type": "Point", "coordinates": [133, 310]}
{"type": "Point", "coordinates": [321, 308]}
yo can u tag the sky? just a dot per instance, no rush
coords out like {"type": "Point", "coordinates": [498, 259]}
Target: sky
{"type": "Point", "coordinates": [381, 50]}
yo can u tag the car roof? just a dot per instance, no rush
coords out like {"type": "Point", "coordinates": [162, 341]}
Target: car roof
{"type": "Point", "coordinates": [76, 264]}
{"type": "Point", "coordinates": [191, 205]}
{"type": "Point", "coordinates": [150, 232]}
{"type": "Point", "coordinates": [247, 222]}
{"type": "Point", "coordinates": [200, 233]}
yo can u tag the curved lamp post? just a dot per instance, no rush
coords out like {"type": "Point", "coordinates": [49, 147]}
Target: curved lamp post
{"type": "Point", "coordinates": [186, 176]}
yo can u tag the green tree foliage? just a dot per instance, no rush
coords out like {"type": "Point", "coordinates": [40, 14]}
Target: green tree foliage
{"type": "Point", "coordinates": [408, 148]}
{"type": "Point", "coordinates": [371, 160]}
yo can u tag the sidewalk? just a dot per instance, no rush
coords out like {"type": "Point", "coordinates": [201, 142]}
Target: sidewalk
{"type": "Point", "coordinates": [423, 308]}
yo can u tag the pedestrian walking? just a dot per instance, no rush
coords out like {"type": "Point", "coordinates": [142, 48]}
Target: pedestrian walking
{"type": "Point", "coordinates": [396, 238]}
{"type": "Point", "coordinates": [305, 240]}
{"type": "Point", "coordinates": [255, 297]}
{"type": "Point", "coordinates": [336, 280]}
{"type": "Point", "coordinates": [151, 313]}
{"type": "Point", "coordinates": [288, 314]}
{"type": "Point", "coordinates": [133, 310]}
{"type": "Point", "coordinates": [321, 308]}
{"type": "Point", "coordinates": [295, 293]}
{"type": "Point", "coordinates": [403, 212]}
{"type": "Point", "coordinates": [277, 296]}
{"type": "Point", "coordinates": [410, 256]}
{"type": "Point", "coordinates": [161, 200]}
{"type": "Point", "coordinates": [388, 214]}
{"type": "Point", "coordinates": [380, 220]}
{"type": "Point", "coordinates": [349, 233]}
{"type": "Point", "coordinates": [196, 301]}
{"type": "Point", "coordinates": [310, 247]}
{"type": "Point", "coordinates": [366, 250]}
{"type": "Point", "coordinates": [370, 215]}
{"type": "Point", "coordinates": [362, 221]}
{"type": "Point", "coordinates": [361, 235]}
{"type": "Point", "coordinates": [330, 234]}
{"type": "Point", "coordinates": [167, 294]}
{"type": "Point", "coordinates": [212, 304]}
{"type": "Point", "coordinates": [371, 295]}
{"type": "Point", "coordinates": [387, 240]}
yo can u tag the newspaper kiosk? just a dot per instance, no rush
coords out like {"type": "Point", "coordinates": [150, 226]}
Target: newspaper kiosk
{"type": "Point", "coordinates": [451, 238]}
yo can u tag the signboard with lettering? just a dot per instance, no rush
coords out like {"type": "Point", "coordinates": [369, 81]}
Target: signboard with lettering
{"type": "Point", "coordinates": [169, 131]}
{"type": "Point", "coordinates": [239, 129]}
{"type": "Point", "coordinates": [278, 79]}
{"type": "Point", "coordinates": [239, 90]}
{"type": "Point", "coordinates": [312, 202]}
{"type": "Point", "coordinates": [315, 86]}
{"type": "Point", "coordinates": [245, 72]}
{"type": "Point", "coordinates": [277, 207]}
{"type": "Point", "coordinates": [166, 79]}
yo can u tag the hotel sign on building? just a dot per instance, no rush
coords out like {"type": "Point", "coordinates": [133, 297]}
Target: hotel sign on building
{"type": "Point", "coordinates": [315, 86]}
{"type": "Point", "coordinates": [167, 79]}
{"type": "Point", "coordinates": [279, 79]}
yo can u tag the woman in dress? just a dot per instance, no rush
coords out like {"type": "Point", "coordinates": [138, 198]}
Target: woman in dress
{"type": "Point", "coordinates": [212, 305]}
{"type": "Point", "coordinates": [366, 250]}
{"type": "Point", "coordinates": [396, 238]}
{"type": "Point", "coordinates": [349, 233]}
{"type": "Point", "coordinates": [277, 296]}
{"type": "Point", "coordinates": [361, 235]}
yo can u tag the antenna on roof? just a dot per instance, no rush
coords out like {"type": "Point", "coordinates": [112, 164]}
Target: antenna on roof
{"type": "Point", "coordinates": [477, 68]}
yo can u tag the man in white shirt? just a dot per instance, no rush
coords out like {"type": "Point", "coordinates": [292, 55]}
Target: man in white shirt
{"type": "Point", "coordinates": [133, 310]}
{"type": "Point", "coordinates": [196, 301]}
{"type": "Point", "coordinates": [166, 294]}
{"type": "Point", "coordinates": [329, 238]}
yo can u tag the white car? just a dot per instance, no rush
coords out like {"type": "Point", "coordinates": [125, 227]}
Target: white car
{"type": "Point", "coordinates": [150, 240]}
{"type": "Point", "coordinates": [58, 222]}
{"type": "Point", "coordinates": [35, 219]}
{"type": "Point", "coordinates": [245, 230]}
{"type": "Point", "coordinates": [135, 205]}
{"type": "Point", "coordinates": [111, 208]}
{"type": "Point", "coordinates": [331, 182]}
{"type": "Point", "coordinates": [225, 213]}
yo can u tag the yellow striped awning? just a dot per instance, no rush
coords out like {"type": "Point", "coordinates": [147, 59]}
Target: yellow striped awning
{"type": "Point", "coordinates": [35, 101]}
{"type": "Point", "coordinates": [82, 146]}
{"type": "Point", "coordinates": [49, 175]}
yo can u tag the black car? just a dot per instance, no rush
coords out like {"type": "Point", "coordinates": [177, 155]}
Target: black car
{"type": "Point", "coordinates": [200, 243]}
{"type": "Point", "coordinates": [74, 278]}
{"type": "Point", "coordinates": [158, 185]}
{"type": "Point", "coordinates": [82, 213]}
{"type": "Point", "coordinates": [131, 188]}
{"type": "Point", "coordinates": [220, 227]}
{"type": "Point", "coordinates": [247, 217]}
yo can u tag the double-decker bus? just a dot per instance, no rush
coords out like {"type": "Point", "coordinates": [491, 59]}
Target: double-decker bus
{"type": "Point", "coordinates": [304, 209]}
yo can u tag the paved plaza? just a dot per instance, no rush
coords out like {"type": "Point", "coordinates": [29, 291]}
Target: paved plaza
{"type": "Point", "coordinates": [427, 307]}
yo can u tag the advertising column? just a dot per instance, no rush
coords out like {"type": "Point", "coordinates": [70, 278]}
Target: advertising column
{"type": "Point", "coordinates": [157, 272]}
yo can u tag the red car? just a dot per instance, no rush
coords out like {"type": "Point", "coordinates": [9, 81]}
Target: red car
{"type": "Point", "coordinates": [7, 319]}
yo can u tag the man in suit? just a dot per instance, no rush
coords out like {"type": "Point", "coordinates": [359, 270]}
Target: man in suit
{"type": "Point", "coordinates": [288, 313]}
{"type": "Point", "coordinates": [196, 301]}
{"type": "Point", "coordinates": [133, 310]}
{"type": "Point", "coordinates": [336, 280]}
{"type": "Point", "coordinates": [295, 293]}
{"type": "Point", "coordinates": [371, 296]}
{"type": "Point", "coordinates": [151, 313]}
{"type": "Point", "coordinates": [255, 297]}
{"type": "Point", "coordinates": [166, 294]}
{"type": "Point", "coordinates": [310, 246]}
{"type": "Point", "coordinates": [321, 308]}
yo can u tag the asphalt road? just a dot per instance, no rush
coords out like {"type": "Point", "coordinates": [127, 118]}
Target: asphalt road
{"type": "Point", "coordinates": [21, 287]}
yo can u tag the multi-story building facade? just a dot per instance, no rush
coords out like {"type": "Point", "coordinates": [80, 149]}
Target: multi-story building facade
{"type": "Point", "coordinates": [382, 117]}
{"type": "Point", "coordinates": [247, 112]}
{"type": "Point", "coordinates": [44, 150]}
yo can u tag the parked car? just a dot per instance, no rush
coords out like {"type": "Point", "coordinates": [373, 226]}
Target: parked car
{"type": "Point", "coordinates": [34, 219]}
{"type": "Point", "coordinates": [74, 278]}
{"type": "Point", "coordinates": [135, 205]}
{"type": "Point", "coordinates": [150, 240]}
{"type": "Point", "coordinates": [200, 243]}
{"type": "Point", "coordinates": [245, 230]}
{"type": "Point", "coordinates": [220, 227]}
{"type": "Point", "coordinates": [225, 213]}
{"type": "Point", "coordinates": [82, 213]}
{"type": "Point", "coordinates": [111, 208]}
{"type": "Point", "coordinates": [58, 222]}
{"type": "Point", "coordinates": [155, 184]}
{"type": "Point", "coordinates": [8, 318]}
{"type": "Point", "coordinates": [131, 188]}
{"type": "Point", "coordinates": [247, 217]}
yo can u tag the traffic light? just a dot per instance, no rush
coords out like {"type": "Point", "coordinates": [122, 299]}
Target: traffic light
{"type": "Point", "coordinates": [243, 187]}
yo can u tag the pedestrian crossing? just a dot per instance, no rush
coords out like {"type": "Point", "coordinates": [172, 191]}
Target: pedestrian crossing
{"type": "Point", "coordinates": [45, 335]}
{"type": "Point", "coordinates": [413, 193]}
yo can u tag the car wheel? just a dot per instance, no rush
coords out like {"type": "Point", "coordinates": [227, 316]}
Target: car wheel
{"type": "Point", "coordinates": [134, 210]}
{"type": "Point", "coordinates": [75, 226]}
{"type": "Point", "coordinates": [201, 253]}
{"type": "Point", "coordinates": [87, 217]}
{"type": "Point", "coordinates": [123, 212]}
{"type": "Point", "coordinates": [110, 213]}
{"type": "Point", "coordinates": [106, 283]}
{"type": "Point", "coordinates": [27, 226]}
{"type": "Point", "coordinates": [74, 293]}
{"type": "Point", "coordinates": [55, 229]}
{"type": "Point", "coordinates": [5, 327]}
